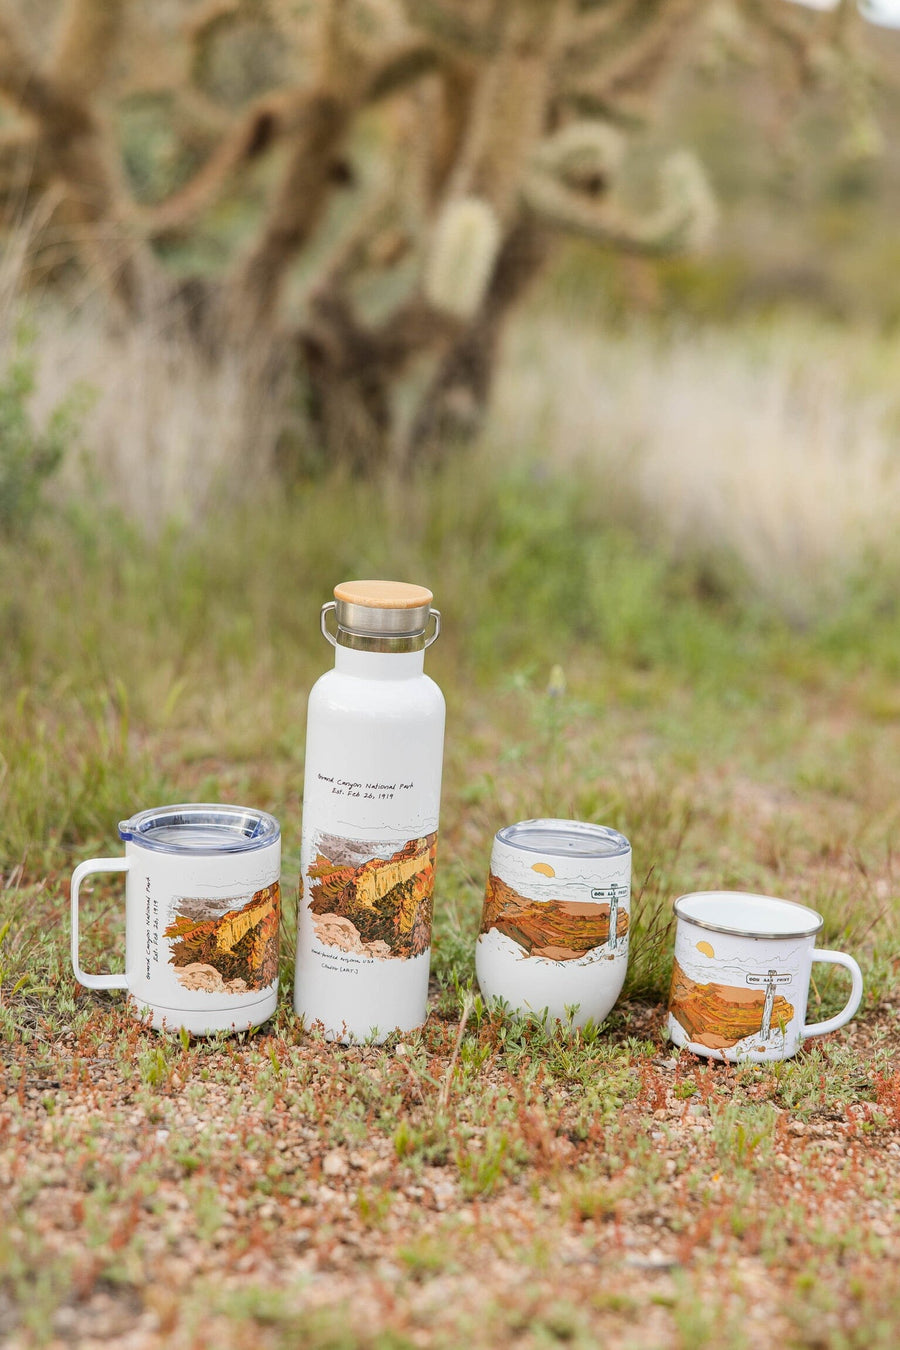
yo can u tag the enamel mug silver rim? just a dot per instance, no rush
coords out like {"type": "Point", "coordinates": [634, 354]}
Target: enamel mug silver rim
{"type": "Point", "coordinates": [687, 907]}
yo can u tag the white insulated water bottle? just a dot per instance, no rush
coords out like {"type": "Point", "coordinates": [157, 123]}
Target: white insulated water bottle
{"type": "Point", "coordinates": [371, 798]}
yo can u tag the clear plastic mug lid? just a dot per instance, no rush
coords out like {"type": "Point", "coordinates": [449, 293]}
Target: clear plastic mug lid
{"type": "Point", "coordinates": [200, 828]}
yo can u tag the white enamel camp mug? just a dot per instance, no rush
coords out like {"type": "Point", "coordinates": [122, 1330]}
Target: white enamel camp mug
{"type": "Point", "coordinates": [554, 931]}
{"type": "Point", "coordinates": [202, 917]}
{"type": "Point", "coordinates": [741, 977]}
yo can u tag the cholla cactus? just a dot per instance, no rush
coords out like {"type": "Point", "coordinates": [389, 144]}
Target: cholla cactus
{"type": "Point", "coordinates": [585, 155]}
{"type": "Point", "coordinates": [492, 128]}
{"type": "Point", "coordinates": [461, 260]}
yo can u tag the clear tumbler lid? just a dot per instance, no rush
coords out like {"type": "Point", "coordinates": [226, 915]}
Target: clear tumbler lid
{"type": "Point", "coordinates": [200, 828]}
{"type": "Point", "coordinates": [566, 838]}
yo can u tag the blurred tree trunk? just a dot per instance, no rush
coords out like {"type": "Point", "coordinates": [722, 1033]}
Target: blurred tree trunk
{"type": "Point", "coordinates": [469, 136]}
{"type": "Point", "coordinates": [456, 400]}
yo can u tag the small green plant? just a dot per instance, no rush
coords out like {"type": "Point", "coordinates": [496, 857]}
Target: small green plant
{"type": "Point", "coordinates": [485, 1162]}
{"type": "Point", "coordinates": [28, 456]}
{"type": "Point", "coordinates": [827, 1080]}
{"type": "Point", "coordinates": [373, 1207]}
{"type": "Point", "coordinates": [6, 965]}
{"type": "Point", "coordinates": [685, 1089]}
{"type": "Point", "coordinates": [743, 1132]}
{"type": "Point", "coordinates": [422, 1144]}
{"type": "Point", "coordinates": [593, 1199]}
{"type": "Point", "coordinates": [481, 1171]}
{"type": "Point", "coordinates": [424, 1260]}
{"type": "Point", "coordinates": [153, 1065]}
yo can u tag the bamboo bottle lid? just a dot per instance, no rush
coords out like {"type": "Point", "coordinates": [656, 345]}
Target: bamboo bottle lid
{"type": "Point", "coordinates": [383, 594]}
{"type": "Point", "coordinates": [388, 609]}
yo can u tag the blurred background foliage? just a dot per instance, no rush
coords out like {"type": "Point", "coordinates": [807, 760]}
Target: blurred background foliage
{"type": "Point", "coordinates": [344, 206]}
{"type": "Point", "coordinates": [252, 244]}
{"type": "Point", "coordinates": [587, 314]}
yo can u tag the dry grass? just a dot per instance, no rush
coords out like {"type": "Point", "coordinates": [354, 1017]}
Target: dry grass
{"type": "Point", "coordinates": [770, 452]}
{"type": "Point", "coordinates": [170, 433]}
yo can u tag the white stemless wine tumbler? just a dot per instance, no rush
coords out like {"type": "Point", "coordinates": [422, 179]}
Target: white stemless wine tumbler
{"type": "Point", "coordinates": [557, 909]}
{"type": "Point", "coordinates": [741, 976]}
{"type": "Point", "coordinates": [202, 917]}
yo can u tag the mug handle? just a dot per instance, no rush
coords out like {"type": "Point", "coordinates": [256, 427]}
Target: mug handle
{"type": "Point", "coordinates": [81, 871]}
{"type": "Point", "coordinates": [853, 1002]}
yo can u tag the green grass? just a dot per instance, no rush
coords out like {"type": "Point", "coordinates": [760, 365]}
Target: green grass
{"type": "Point", "coordinates": [137, 671]}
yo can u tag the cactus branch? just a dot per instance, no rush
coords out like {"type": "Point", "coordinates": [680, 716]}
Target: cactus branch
{"type": "Point", "coordinates": [76, 153]}
{"type": "Point", "coordinates": [400, 67]}
{"type": "Point", "coordinates": [87, 40]}
{"type": "Point", "coordinates": [458, 394]}
{"type": "Point", "coordinates": [510, 106]}
{"type": "Point", "coordinates": [598, 29]}
{"type": "Point", "coordinates": [414, 328]}
{"type": "Point", "coordinates": [22, 82]}
{"type": "Point", "coordinates": [24, 171]}
{"type": "Point", "coordinates": [270, 119]}
{"type": "Point", "coordinates": [325, 117]}
{"type": "Point", "coordinates": [649, 59]}
{"type": "Point", "coordinates": [635, 68]}
{"type": "Point", "coordinates": [351, 368]}
{"type": "Point", "coordinates": [791, 33]}
{"type": "Point", "coordinates": [296, 209]}
{"type": "Point", "coordinates": [349, 394]}
{"type": "Point", "coordinates": [445, 22]}
{"type": "Point", "coordinates": [685, 215]}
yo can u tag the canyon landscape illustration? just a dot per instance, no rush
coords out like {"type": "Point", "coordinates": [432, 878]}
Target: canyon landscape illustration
{"type": "Point", "coordinates": [559, 930]}
{"type": "Point", "coordinates": [369, 905]}
{"type": "Point", "coordinates": [720, 1015]}
{"type": "Point", "coordinates": [235, 952]}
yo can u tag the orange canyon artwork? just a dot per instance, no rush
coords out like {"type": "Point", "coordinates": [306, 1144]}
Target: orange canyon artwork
{"type": "Point", "coordinates": [559, 930]}
{"type": "Point", "coordinates": [720, 1015]}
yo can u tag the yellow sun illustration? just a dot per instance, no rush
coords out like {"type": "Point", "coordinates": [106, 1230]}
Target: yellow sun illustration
{"type": "Point", "coordinates": [705, 948]}
{"type": "Point", "coordinates": [544, 868]}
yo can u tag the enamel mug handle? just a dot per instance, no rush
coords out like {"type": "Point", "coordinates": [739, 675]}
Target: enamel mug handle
{"type": "Point", "coordinates": [84, 869]}
{"type": "Point", "coordinates": [853, 1002]}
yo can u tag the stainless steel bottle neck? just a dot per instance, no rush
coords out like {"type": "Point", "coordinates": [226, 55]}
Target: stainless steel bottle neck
{"type": "Point", "coordinates": [366, 629]}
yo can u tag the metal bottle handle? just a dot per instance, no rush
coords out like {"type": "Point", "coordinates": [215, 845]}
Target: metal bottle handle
{"type": "Point", "coordinates": [331, 606]}
{"type": "Point", "coordinates": [326, 610]}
